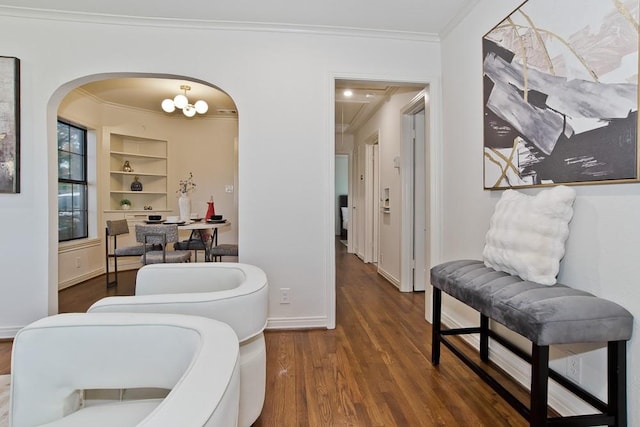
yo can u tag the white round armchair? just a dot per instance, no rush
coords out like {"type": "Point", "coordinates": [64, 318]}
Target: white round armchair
{"type": "Point", "coordinates": [233, 293]}
{"type": "Point", "coordinates": [58, 360]}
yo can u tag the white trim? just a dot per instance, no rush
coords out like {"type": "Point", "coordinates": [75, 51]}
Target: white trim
{"type": "Point", "coordinates": [457, 19]}
{"type": "Point", "coordinates": [561, 400]}
{"type": "Point", "coordinates": [330, 205]}
{"type": "Point", "coordinates": [9, 331]}
{"type": "Point", "coordinates": [79, 279]}
{"type": "Point", "coordinates": [203, 24]}
{"type": "Point", "coordinates": [417, 104]}
{"type": "Point", "coordinates": [312, 322]}
{"type": "Point", "coordinates": [75, 245]}
{"type": "Point", "coordinates": [394, 280]}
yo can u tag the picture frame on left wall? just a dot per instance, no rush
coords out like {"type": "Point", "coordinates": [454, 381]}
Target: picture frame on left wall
{"type": "Point", "coordinates": [9, 124]}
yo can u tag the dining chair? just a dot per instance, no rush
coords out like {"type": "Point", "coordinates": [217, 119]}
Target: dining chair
{"type": "Point", "coordinates": [195, 243]}
{"type": "Point", "coordinates": [160, 234]}
{"type": "Point", "coordinates": [224, 249]}
{"type": "Point", "coordinates": [114, 229]}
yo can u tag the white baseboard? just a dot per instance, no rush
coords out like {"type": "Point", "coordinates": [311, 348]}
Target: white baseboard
{"type": "Point", "coordinates": [561, 400]}
{"type": "Point", "coordinates": [313, 322]}
{"type": "Point", "coordinates": [7, 332]}
{"type": "Point", "coordinates": [81, 278]}
{"type": "Point", "coordinates": [395, 282]}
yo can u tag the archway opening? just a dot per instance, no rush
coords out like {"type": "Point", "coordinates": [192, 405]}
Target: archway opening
{"type": "Point", "coordinates": [124, 121]}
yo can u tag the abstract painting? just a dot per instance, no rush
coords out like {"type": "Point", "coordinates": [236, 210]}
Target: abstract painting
{"type": "Point", "coordinates": [561, 94]}
{"type": "Point", "coordinates": [9, 125]}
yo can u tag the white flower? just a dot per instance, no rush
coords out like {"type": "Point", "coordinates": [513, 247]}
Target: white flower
{"type": "Point", "coordinates": [186, 185]}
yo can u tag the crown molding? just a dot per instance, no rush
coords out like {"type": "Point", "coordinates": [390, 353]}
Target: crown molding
{"type": "Point", "coordinates": [457, 19]}
{"type": "Point", "coordinates": [201, 24]}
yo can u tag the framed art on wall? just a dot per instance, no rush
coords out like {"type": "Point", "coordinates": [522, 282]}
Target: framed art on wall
{"type": "Point", "coordinates": [560, 84]}
{"type": "Point", "coordinates": [9, 125]}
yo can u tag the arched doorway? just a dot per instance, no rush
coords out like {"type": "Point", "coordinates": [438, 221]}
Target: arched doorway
{"type": "Point", "coordinates": [126, 107]}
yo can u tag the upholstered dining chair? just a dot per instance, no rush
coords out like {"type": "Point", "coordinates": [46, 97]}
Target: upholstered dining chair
{"type": "Point", "coordinates": [192, 244]}
{"type": "Point", "coordinates": [224, 249]}
{"type": "Point", "coordinates": [160, 234]}
{"type": "Point", "coordinates": [114, 229]}
{"type": "Point", "coordinates": [60, 363]}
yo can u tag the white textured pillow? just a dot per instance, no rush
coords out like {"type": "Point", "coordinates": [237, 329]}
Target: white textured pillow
{"type": "Point", "coordinates": [527, 233]}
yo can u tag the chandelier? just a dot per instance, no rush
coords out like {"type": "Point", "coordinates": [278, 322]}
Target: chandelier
{"type": "Point", "coordinates": [181, 101]}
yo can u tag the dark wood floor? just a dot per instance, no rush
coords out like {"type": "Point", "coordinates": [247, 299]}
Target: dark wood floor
{"type": "Point", "coordinates": [372, 370]}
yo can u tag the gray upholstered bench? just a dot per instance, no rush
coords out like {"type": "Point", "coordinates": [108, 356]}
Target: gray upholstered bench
{"type": "Point", "coordinates": [545, 315]}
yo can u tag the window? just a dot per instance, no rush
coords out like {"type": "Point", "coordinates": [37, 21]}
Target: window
{"type": "Point", "coordinates": [72, 182]}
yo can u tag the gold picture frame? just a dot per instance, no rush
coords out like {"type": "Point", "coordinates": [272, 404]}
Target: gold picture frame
{"type": "Point", "coordinates": [560, 84]}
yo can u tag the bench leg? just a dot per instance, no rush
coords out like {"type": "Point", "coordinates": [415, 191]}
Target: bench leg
{"type": "Point", "coordinates": [436, 326]}
{"type": "Point", "coordinates": [484, 338]}
{"type": "Point", "coordinates": [539, 385]}
{"type": "Point", "coordinates": [617, 381]}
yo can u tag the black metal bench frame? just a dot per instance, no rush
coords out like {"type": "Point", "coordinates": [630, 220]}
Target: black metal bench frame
{"type": "Point", "coordinates": [613, 413]}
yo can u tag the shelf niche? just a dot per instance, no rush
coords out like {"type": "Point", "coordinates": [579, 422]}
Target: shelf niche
{"type": "Point", "coordinates": [148, 160]}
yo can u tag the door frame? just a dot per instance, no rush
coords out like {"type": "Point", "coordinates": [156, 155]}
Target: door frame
{"type": "Point", "coordinates": [371, 197]}
{"type": "Point", "coordinates": [433, 115]}
{"type": "Point", "coordinates": [417, 104]}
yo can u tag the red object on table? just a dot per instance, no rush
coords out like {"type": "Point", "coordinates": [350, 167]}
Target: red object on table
{"type": "Point", "coordinates": [211, 210]}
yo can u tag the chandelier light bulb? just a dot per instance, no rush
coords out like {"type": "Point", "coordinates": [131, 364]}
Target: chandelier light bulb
{"type": "Point", "coordinates": [168, 106]}
{"type": "Point", "coordinates": [201, 107]}
{"type": "Point", "coordinates": [180, 101]}
{"type": "Point", "coordinates": [189, 111]}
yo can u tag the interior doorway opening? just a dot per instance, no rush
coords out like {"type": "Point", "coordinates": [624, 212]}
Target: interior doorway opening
{"type": "Point", "coordinates": [126, 108]}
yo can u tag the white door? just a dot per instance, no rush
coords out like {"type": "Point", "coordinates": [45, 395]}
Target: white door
{"type": "Point", "coordinates": [359, 214]}
{"type": "Point", "coordinates": [372, 202]}
{"type": "Point", "coordinates": [419, 203]}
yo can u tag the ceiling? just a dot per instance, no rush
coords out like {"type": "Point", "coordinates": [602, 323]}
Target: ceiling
{"type": "Point", "coordinates": [148, 93]}
{"type": "Point", "coordinates": [409, 16]}
{"type": "Point", "coordinates": [367, 97]}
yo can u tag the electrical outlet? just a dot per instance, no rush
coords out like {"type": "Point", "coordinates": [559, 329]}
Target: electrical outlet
{"type": "Point", "coordinates": [77, 262]}
{"type": "Point", "coordinates": [574, 368]}
{"type": "Point", "coordinates": [284, 295]}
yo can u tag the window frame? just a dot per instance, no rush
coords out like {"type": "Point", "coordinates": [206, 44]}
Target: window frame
{"type": "Point", "coordinates": [83, 211]}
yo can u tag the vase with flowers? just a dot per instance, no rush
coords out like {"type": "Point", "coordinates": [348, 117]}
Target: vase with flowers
{"type": "Point", "coordinates": [185, 187]}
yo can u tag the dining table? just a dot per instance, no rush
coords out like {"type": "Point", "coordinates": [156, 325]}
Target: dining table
{"type": "Point", "coordinates": [198, 231]}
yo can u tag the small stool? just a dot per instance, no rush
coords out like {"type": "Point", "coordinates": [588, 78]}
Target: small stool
{"type": "Point", "coordinates": [225, 249]}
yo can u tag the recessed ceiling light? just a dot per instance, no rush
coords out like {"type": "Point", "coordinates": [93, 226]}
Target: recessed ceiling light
{"type": "Point", "coordinates": [348, 93]}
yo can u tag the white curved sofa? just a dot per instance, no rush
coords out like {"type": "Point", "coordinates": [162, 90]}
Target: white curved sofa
{"type": "Point", "coordinates": [234, 293]}
{"type": "Point", "coordinates": [56, 358]}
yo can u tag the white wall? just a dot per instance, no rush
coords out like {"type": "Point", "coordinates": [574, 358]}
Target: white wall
{"type": "Point", "coordinates": [602, 250]}
{"type": "Point", "coordinates": [282, 83]}
{"type": "Point", "coordinates": [204, 146]}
